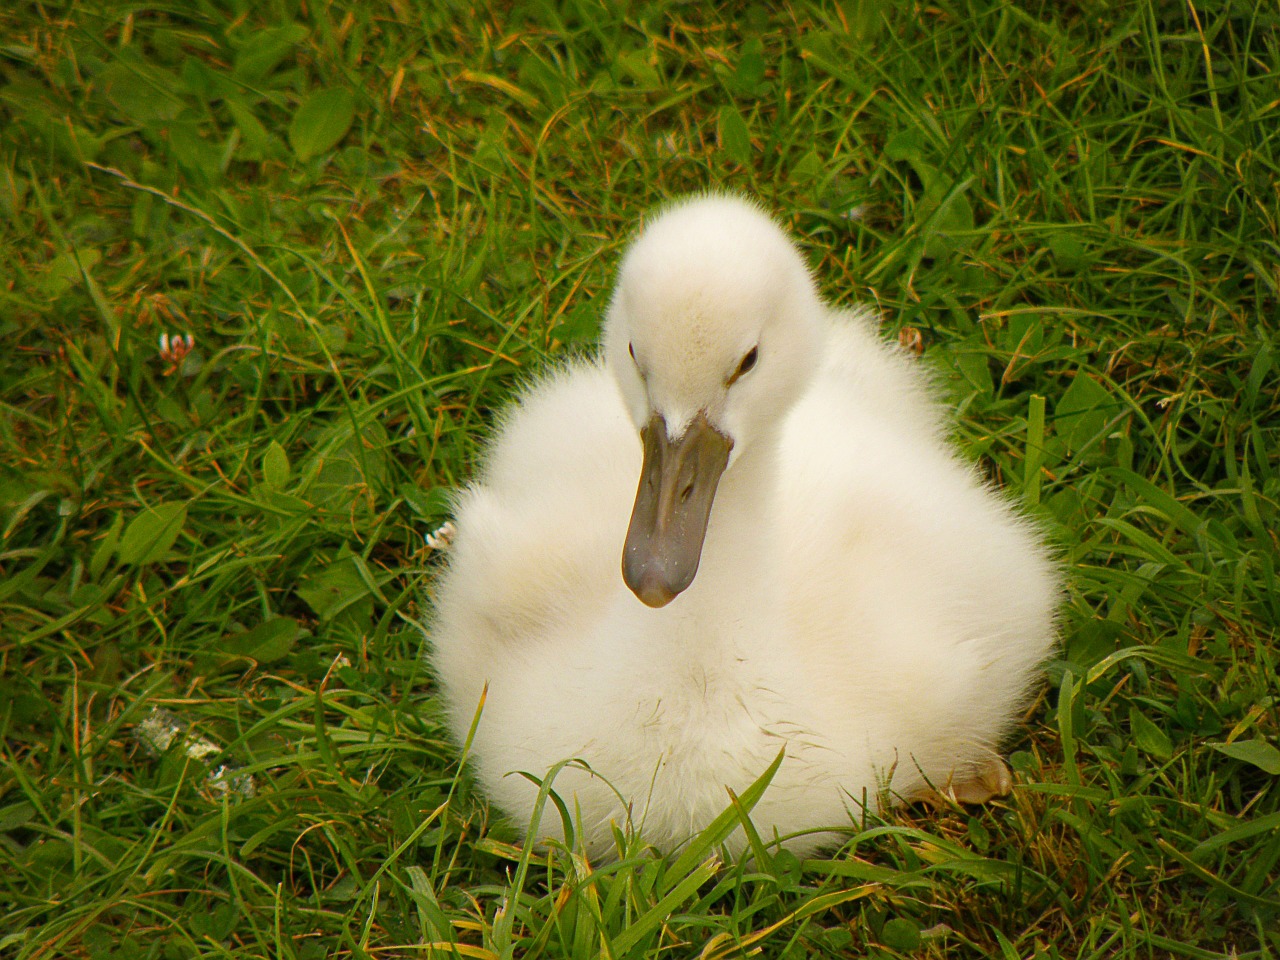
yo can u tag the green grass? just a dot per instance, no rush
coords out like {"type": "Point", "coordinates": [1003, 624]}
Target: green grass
{"type": "Point", "coordinates": [374, 219]}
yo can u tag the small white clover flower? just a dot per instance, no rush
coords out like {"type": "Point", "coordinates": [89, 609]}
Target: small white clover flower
{"type": "Point", "coordinates": [174, 349]}
{"type": "Point", "coordinates": [442, 537]}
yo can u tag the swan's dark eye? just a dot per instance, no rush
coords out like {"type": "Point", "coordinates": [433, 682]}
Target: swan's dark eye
{"type": "Point", "coordinates": [747, 363]}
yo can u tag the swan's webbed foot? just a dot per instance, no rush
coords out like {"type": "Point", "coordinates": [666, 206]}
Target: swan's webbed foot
{"type": "Point", "coordinates": [979, 784]}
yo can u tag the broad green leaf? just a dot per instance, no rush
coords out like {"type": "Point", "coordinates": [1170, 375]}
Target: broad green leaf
{"type": "Point", "coordinates": [201, 80]}
{"type": "Point", "coordinates": [579, 325]}
{"type": "Point", "coordinates": [735, 138]}
{"type": "Point", "coordinates": [267, 49]}
{"type": "Point", "coordinates": [975, 368]}
{"type": "Point", "coordinates": [1250, 828]}
{"type": "Point", "coordinates": [268, 642]}
{"type": "Point", "coordinates": [151, 534]}
{"type": "Point", "coordinates": [140, 92]}
{"type": "Point", "coordinates": [275, 466]}
{"type": "Point", "coordinates": [16, 815]}
{"type": "Point", "coordinates": [198, 158]}
{"type": "Point", "coordinates": [1091, 643]}
{"type": "Point", "coordinates": [911, 146]}
{"type": "Point", "coordinates": [1081, 412]}
{"type": "Point", "coordinates": [979, 835]}
{"type": "Point", "coordinates": [906, 145]}
{"type": "Point", "coordinates": [215, 924]}
{"type": "Point", "coordinates": [865, 17]}
{"type": "Point", "coordinates": [322, 120]}
{"type": "Point", "coordinates": [549, 82]}
{"type": "Point", "coordinates": [64, 271]}
{"type": "Point", "coordinates": [257, 143]}
{"type": "Point", "coordinates": [749, 72]}
{"type": "Point", "coordinates": [224, 918]}
{"type": "Point", "coordinates": [1259, 752]}
{"type": "Point", "coordinates": [1149, 737]}
{"type": "Point", "coordinates": [107, 548]}
{"type": "Point", "coordinates": [636, 65]}
{"type": "Point", "coordinates": [345, 464]}
{"type": "Point", "coordinates": [807, 169]}
{"type": "Point", "coordinates": [1024, 333]}
{"type": "Point", "coordinates": [1069, 252]}
{"type": "Point", "coordinates": [339, 590]}
{"type": "Point", "coordinates": [430, 504]}
{"type": "Point", "coordinates": [1261, 366]}
{"type": "Point", "coordinates": [901, 934]}
{"type": "Point", "coordinates": [944, 216]}
{"type": "Point", "coordinates": [99, 940]}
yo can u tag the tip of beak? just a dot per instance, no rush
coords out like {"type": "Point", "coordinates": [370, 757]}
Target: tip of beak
{"type": "Point", "coordinates": [654, 593]}
{"type": "Point", "coordinates": [652, 581]}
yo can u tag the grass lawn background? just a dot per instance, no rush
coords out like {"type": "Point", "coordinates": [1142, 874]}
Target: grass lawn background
{"type": "Point", "coordinates": [374, 219]}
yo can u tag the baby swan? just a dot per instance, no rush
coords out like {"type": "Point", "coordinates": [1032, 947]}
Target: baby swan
{"type": "Point", "coordinates": [806, 566]}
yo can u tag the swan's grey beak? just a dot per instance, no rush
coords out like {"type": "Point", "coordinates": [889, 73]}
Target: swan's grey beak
{"type": "Point", "coordinates": [669, 521]}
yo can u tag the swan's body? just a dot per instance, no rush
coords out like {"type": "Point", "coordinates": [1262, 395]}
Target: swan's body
{"type": "Point", "coordinates": [862, 599]}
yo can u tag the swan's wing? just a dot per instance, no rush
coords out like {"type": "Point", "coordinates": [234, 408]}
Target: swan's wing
{"type": "Point", "coordinates": [539, 535]}
{"type": "Point", "coordinates": [909, 578]}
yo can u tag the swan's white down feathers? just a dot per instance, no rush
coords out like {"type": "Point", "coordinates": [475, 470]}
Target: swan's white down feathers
{"type": "Point", "coordinates": [864, 599]}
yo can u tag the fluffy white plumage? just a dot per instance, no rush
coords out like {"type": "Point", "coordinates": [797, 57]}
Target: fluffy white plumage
{"type": "Point", "coordinates": [863, 599]}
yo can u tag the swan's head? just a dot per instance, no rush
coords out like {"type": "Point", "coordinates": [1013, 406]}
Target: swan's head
{"type": "Point", "coordinates": [712, 334]}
